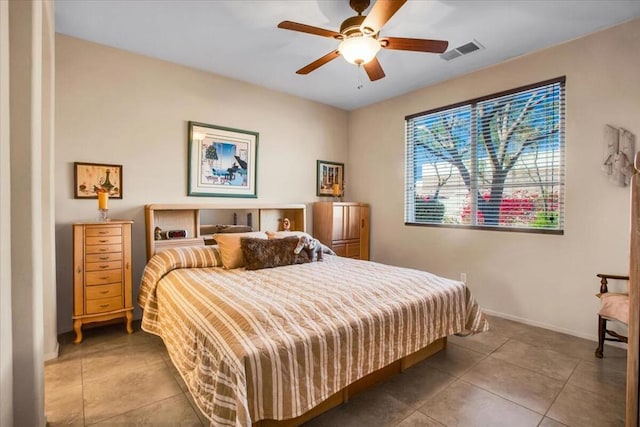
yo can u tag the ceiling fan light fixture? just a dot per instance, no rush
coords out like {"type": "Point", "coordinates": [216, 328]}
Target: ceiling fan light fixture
{"type": "Point", "coordinates": [359, 49]}
{"type": "Point", "coordinates": [359, 38]}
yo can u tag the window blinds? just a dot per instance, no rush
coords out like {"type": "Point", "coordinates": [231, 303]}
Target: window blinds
{"type": "Point", "coordinates": [494, 162]}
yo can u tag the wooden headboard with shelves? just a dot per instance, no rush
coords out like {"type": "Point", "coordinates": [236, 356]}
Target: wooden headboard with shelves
{"type": "Point", "coordinates": [191, 217]}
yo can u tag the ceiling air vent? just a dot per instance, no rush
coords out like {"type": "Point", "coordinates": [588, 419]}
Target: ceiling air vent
{"type": "Point", "coordinates": [452, 54]}
{"type": "Point", "coordinates": [465, 49]}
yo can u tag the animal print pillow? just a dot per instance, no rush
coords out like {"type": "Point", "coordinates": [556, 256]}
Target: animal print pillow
{"type": "Point", "coordinates": [260, 253]}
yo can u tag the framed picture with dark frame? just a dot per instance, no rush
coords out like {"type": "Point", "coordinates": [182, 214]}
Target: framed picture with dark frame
{"type": "Point", "coordinates": [329, 179]}
{"type": "Point", "coordinates": [90, 178]}
{"type": "Point", "coordinates": [222, 161]}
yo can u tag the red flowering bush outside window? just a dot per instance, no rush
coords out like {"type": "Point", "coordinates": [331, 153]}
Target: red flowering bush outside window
{"type": "Point", "coordinates": [520, 208]}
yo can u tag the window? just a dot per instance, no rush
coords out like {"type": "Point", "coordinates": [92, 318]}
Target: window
{"type": "Point", "coordinates": [495, 162]}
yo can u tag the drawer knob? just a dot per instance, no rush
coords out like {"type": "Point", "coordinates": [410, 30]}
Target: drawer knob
{"type": "Point", "coordinates": [103, 249]}
{"type": "Point", "coordinates": [103, 241]}
{"type": "Point", "coordinates": [104, 278]}
{"type": "Point", "coordinates": [104, 305]}
{"type": "Point", "coordinates": [104, 266]}
{"type": "Point", "coordinates": [102, 232]}
{"type": "Point", "coordinates": [104, 292]}
{"type": "Point", "coordinates": [104, 258]}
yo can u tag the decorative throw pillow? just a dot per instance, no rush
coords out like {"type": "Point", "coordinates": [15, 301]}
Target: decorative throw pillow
{"type": "Point", "coordinates": [259, 253]}
{"type": "Point", "coordinates": [230, 250]}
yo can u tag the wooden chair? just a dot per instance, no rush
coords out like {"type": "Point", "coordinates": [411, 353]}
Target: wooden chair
{"type": "Point", "coordinates": [613, 306]}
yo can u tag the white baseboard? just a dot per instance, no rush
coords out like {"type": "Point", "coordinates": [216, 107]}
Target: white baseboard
{"type": "Point", "coordinates": [589, 337]}
{"type": "Point", "coordinates": [53, 354]}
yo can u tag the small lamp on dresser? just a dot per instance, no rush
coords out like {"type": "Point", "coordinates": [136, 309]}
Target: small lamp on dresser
{"type": "Point", "coordinates": [103, 206]}
{"type": "Point", "coordinates": [336, 192]}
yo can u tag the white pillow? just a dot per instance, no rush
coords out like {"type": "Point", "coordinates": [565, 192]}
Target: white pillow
{"type": "Point", "coordinates": [230, 250]}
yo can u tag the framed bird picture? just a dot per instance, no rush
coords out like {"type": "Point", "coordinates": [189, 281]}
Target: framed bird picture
{"type": "Point", "coordinates": [222, 161]}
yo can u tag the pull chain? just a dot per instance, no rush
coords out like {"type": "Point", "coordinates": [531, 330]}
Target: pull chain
{"type": "Point", "coordinates": [359, 84]}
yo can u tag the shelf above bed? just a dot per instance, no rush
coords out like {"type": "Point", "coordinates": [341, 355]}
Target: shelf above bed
{"type": "Point", "coordinates": [191, 217]}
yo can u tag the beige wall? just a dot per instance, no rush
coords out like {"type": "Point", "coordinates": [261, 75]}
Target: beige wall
{"type": "Point", "coordinates": [6, 350]}
{"type": "Point", "coordinates": [122, 108]}
{"type": "Point", "coordinates": [28, 249]}
{"type": "Point", "coordinates": [543, 279]}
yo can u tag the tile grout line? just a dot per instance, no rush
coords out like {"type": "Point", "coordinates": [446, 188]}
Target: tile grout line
{"type": "Point", "coordinates": [507, 399]}
{"type": "Point", "coordinates": [581, 387]}
{"type": "Point", "coordinates": [502, 397]}
{"type": "Point", "coordinates": [537, 372]}
{"type": "Point", "coordinates": [534, 371]}
{"type": "Point", "coordinates": [421, 413]}
{"type": "Point", "coordinates": [134, 409]}
{"type": "Point", "coordinates": [193, 402]}
{"type": "Point", "coordinates": [446, 387]}
{"type": "Point", "coordinates": [169, 364]}
{"type": "Point", "coordinates": [127, 348]}
{"type": "Point", "coordinates": [559, 393]}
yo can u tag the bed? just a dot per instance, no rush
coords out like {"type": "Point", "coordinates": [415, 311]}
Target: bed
{"type": "Point", "coordinates": [280, 343]}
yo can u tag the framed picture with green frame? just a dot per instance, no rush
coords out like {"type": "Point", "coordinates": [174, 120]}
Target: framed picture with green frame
{"type": "Point", "coordinates": [222, 161]}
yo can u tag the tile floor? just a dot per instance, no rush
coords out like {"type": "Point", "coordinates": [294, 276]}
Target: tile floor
{"type": "Point", "coordinates": [513, 375]}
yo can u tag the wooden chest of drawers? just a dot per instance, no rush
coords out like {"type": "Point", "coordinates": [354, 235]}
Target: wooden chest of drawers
{"type": "Point", "coordinates": [101, 273]}
{"type": "Point", "coordinates": [344, 227]}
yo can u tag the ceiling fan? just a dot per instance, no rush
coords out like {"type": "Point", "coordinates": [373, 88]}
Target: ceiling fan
{"type": "Point", "coordinates": [359, 38]}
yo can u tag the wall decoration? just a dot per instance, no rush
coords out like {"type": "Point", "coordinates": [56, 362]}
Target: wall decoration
{"type": "Point", "coordinates": [619, 154]}
{"type": "Point", "coordinates": [222, 161]}
{"type": "Point", "coordinates": [330, 179]}
{"type": "Point", "coordinates": [89, 179]}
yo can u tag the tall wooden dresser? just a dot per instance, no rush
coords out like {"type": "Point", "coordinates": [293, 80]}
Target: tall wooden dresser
{"type": "Point", "coordinates": [101, 273]}
{"type": "Point", "coordinates": [344, 227]}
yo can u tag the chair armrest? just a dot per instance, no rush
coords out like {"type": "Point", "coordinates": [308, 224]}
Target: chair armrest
{"type": "Point", "coordinates": [612, 276]}
{"type": "Point", "coordinates": [604, 283]}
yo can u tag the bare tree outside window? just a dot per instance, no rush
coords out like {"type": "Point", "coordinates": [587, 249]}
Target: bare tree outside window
{"type": "Point", "coordinates": [494, 162]}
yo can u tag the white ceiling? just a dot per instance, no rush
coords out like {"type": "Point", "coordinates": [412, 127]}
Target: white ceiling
{"type": "Point", "coordinates": [239, 39]}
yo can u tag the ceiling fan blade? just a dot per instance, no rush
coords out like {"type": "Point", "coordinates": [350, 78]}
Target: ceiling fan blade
{"type": "Point", "coordinates": [416, 45]}
{"type": "Point", "coordinates": [318, 62]}
{"type": "Point", "coordinates": [303, 28]}
{"type": "Point", "coordinates": [380, 13]}
{"type": "Point", "coordinates": [374, 70]}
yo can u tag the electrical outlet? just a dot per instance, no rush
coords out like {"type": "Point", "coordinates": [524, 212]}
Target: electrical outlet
{"type": "Point", "coordinates": [463, 277]}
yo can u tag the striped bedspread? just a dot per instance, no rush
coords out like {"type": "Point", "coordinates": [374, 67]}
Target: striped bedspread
{"type": "Point", "coordinates": [274, 343]}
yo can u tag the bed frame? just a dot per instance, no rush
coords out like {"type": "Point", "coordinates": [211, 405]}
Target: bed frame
{"type": "Point", "coordinates": [361, 385]}
{"type": "Point", "coordinates": [187, 216]}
